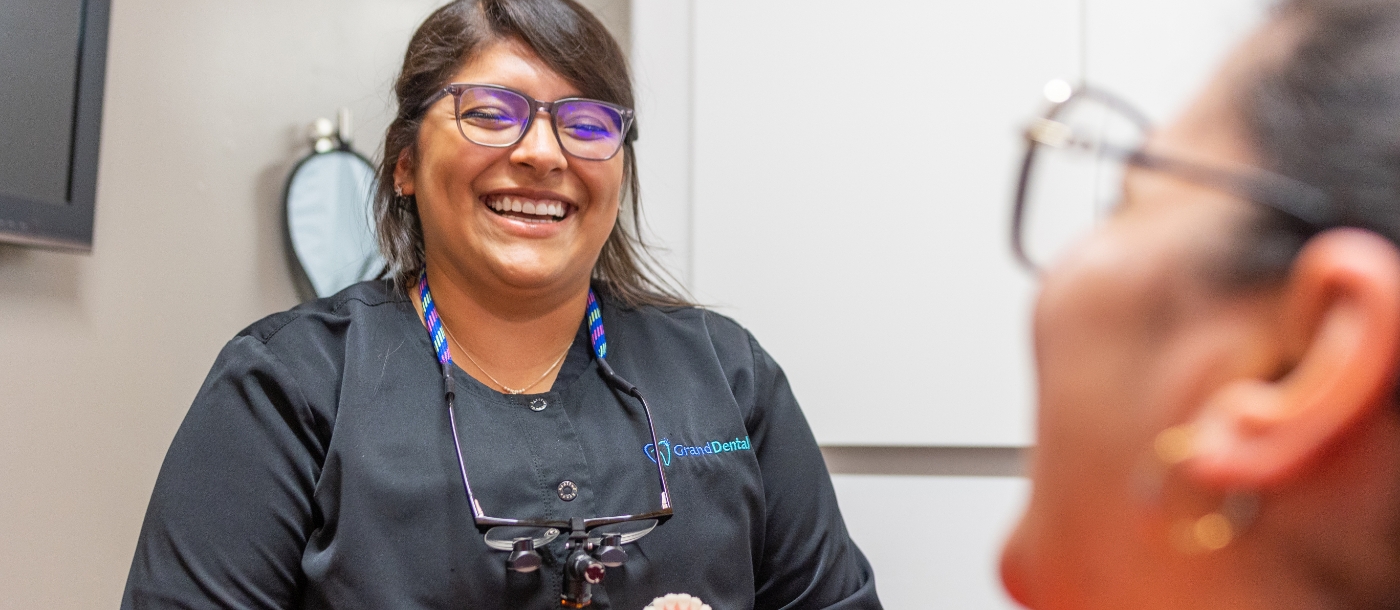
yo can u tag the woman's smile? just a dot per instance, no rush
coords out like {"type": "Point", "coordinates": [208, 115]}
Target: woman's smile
{"type": "Point", "coordinates": [528, 210]}
{"type": "Point", "coordinates": [531, 214]}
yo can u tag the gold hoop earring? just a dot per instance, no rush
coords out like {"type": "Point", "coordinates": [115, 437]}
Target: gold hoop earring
{"type": "Point", "coordinates": [1214, 530]}
{"type": "Point", "coordinates": [1175, 444]}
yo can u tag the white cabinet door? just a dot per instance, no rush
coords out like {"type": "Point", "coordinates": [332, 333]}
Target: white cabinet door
{"type": "Point", "coordinates": [853, 164]}
{"type": "Point", "coordinates": [850, 169]}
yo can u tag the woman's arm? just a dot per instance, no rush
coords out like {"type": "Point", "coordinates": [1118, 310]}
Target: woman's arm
{"type": "Point", "coordinates": [232, 506]}
{"type": "Point", "coordinates": [807, 559]}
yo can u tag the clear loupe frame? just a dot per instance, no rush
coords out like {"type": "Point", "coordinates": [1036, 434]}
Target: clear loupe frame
{"type": "Point", "coordinates": [1077, 154]}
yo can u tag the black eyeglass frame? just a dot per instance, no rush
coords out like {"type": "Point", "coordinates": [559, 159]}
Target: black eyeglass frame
{"type": "Point", "coordinates": [455, 90]}
{"type": "Point", "coordinates": [1298, 201]}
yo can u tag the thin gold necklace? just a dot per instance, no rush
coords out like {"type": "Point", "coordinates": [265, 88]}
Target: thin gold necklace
{"type": "Point", "coordinates": [508, 389]}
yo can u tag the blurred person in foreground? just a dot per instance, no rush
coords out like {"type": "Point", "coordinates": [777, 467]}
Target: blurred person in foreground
{"type": "Point", "coordinates": [1217, 357]}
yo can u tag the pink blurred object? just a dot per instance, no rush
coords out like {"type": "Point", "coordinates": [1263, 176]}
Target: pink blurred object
{"type": "Point", "coordinates": [677, 601]}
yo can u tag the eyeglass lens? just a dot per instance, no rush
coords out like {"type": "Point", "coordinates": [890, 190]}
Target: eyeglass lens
{"type": "Point", "coordinates": [1076, 175]}
{"type": "Point", "coordinates": [496, 117]}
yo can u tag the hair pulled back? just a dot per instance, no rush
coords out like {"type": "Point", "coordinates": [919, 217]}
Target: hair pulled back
{"type": "Point", "coordinates": [573, 43]}
{"type": "Point", "coordinates": [1328, 115]}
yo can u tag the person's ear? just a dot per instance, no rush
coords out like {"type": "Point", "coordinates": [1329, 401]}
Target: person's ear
{"type": "Point", "coordinates": [1339, 338]}
{"type": "Point", "coordinates": [403, 172]}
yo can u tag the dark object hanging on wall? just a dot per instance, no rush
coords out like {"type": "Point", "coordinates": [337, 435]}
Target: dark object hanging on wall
{"type": "Point", "coordinates": [53, 57]}
{"type": "Point", "coordinates": [330, 227]}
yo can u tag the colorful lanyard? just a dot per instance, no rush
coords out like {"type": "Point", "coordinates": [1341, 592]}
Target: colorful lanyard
{"type": "Point", "coordinates": [434, 324]}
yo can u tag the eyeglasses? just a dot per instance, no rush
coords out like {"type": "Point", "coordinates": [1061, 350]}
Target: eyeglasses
{"type": "Point", "coordinates": [499, 117]}
{"type": "Point", "coordinates": [1075, 160]}
{"type": "Point", "coordinates": [594, 544]}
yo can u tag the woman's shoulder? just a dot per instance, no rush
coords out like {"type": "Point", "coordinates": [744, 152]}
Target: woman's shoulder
{"type": "Point", "coordinates": [312, 344]}
{"type": "Point", "coordinates": [327, 317]}
{"type": "Point", "coordinates": [671, 326]}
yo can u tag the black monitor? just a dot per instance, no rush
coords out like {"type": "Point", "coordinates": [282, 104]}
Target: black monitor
{"type": "Point", "coordinates": [53, 56]}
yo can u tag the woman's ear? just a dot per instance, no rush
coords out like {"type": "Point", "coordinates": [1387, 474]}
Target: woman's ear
{"type": "Point", "coordinates": [403, 171]}
{"type": "Point", "coordinates": [1340, 334]}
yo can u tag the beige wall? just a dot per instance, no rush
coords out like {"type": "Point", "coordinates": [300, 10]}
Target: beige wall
{"type": "Point", "coordinates": [100, 355]}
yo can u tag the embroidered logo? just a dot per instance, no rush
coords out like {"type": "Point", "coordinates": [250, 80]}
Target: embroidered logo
{"type": "Point", "coordinates": [651, 451]}
{"type": "Point", "coordinates": [668, 450]}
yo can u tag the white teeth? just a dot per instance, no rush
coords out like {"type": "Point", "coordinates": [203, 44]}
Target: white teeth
{"type": "Point", "coordinates": [508, 203]}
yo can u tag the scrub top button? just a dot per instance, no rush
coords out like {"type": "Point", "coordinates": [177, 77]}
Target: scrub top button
{"type": "Point", "coordinates": [538, 404]}
{"type": "Point", "coordinates": [568, 490]}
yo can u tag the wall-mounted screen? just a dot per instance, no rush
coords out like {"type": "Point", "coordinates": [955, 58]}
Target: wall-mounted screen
{"type": "Point", "coordinates": [52, 66]}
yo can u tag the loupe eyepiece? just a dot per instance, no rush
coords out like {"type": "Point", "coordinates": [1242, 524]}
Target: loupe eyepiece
{"type": "Point", "coordinates": [523, 557]}
{"type": "Point", "coordinates": [610, 552]}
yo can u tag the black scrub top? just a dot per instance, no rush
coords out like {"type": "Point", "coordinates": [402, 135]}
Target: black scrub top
{"type": "Point", "coordinates": [316, 469]}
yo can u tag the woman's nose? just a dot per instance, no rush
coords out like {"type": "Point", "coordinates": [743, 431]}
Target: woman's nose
{"type": "Point", "coordinates": [538, 148]}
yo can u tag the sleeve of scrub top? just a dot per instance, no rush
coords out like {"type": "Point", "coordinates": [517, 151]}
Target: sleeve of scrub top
{"type": "Point", "coordinates": [231, 509]}
{"type": "Point", "coordinates": [808, 559]}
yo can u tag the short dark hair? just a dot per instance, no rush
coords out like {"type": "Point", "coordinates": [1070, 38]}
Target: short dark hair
{"type": "Point", "coordinates": [1328, 115]}
{"type": "Point", "coordinates": [573, 43]}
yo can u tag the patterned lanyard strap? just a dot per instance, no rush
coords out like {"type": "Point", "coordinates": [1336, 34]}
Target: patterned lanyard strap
{"type": "Point", "coordinates": [434, 324]}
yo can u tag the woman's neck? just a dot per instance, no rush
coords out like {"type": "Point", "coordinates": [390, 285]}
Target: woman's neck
{"type": "Point", "coordinates": [507, 339]}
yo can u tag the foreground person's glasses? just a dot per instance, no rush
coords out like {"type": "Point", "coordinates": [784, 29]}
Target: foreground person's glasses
{"type": "Point", "coordinates": [496, 116]}
{"type": "Point", "coordinates": [1072, 174]}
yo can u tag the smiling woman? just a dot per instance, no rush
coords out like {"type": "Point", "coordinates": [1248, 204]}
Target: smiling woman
{"type": "Point", "coordinates": [481, 427]}
{"type": "Point", "coordinates": [533, 42]}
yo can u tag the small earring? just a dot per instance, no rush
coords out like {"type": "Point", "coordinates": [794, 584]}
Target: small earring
{"type": "Point", "coordinates": [398, 191]}
{"type": "Point", "coordinates": [1171, 447]}
{"type": "Point", "coordinates": [1216, 530]}
{"type": "Point", "coordinates": [1175, 444]}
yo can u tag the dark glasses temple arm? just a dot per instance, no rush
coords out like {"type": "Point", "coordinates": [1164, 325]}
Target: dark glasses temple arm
{"type": "Point", "coordinates": [1304, 203]}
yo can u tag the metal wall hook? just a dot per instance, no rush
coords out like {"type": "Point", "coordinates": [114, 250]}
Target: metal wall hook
{"type": "Point", "coordinates": [326, 135]}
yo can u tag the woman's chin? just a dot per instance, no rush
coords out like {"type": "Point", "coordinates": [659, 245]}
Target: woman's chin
{"type": "Point", "coordinates": [538, 276]}
{"type": "Point", "coordinates": [1014, 568]}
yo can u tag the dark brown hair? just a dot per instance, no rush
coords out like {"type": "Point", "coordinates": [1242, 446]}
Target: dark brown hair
{"type": "Point", "coordinates": [1328, 115]}
{"type": "Point", "coordinates": [573, 43]}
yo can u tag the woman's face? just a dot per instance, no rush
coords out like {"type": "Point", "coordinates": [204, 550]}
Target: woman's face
{"type": "Point", "coordinates": [461, 189]}
{"type": "Point", "coordinates": [1130, 334]}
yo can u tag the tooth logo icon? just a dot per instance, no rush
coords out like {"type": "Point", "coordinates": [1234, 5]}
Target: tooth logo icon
{"type": "Point", "coordinates": [665, 452]}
